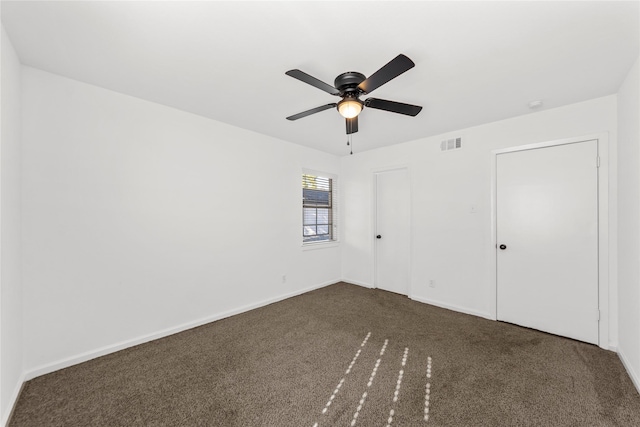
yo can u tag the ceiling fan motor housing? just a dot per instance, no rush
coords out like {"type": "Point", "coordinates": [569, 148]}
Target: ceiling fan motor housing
{"type": "Point", "coordinates": [348, 82]}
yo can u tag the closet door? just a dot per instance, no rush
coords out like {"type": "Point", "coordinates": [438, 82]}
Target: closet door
{"type": "Point", "coordinates": [392, 238]}
{"type": "Point", "coordinates": [547, 238]}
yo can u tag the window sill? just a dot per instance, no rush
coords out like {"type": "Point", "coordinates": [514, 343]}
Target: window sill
{"type": "Point", "coordinates": [320, 245]}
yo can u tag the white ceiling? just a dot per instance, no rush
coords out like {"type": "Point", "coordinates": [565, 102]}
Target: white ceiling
{"type": "Point", "coordinates": [476, 62]}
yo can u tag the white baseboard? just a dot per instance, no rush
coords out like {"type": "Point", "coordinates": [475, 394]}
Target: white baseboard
{"type": "Point", "coordinates": [430, 301]}
{"type": "Point", "coordinates": [632, 374]}
{"type": "Point", "coordinates": [359, 283]}
{"type": "Point", "coordinates": [453, 307]}
{"type": "Point", "coordinates": [92, 354]}
{"type": "Point", "coordinates": [12, 400]}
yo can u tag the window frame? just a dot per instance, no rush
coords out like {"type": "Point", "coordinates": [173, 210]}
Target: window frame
{"type": "Point", "coordinates": [333, 211]}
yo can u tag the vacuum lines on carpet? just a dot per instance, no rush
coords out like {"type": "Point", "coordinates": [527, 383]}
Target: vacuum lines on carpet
{"type": "Point", "coordinates": [396, 391]}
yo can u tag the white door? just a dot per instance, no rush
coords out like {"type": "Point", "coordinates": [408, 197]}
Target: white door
{"type": "Point", "coordinates": [547, 237]}
{"type": "Point", "coordinates": [392, 237]}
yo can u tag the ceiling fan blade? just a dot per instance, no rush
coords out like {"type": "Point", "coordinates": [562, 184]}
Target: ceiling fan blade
{"type": "Point", "coordinates": [394, 107]}
{"type": "Point", "coordinates": [312, 111]}
{"type": "Point", "coordinates": [304, 77]}
{"type": "Point", "coordinates": [391, 70]}
{"type": "Point", "coordinates": [352, 125]}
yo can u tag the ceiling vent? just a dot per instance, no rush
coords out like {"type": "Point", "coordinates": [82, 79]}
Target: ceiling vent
{"type": "Point", "coordinates": [451, 144]}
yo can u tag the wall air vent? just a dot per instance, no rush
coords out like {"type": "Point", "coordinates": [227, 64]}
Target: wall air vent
{"type": "Point", "coordinates": [451, 144]}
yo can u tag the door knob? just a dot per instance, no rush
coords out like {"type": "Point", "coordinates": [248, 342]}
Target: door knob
{"type": "Point", "coordinates": [378, 237]}
{"type": "Point", "coordinates": [503, 247]}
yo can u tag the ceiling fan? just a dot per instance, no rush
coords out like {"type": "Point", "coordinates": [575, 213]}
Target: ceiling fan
{"type": "Point", "coordinates": [350, 86]}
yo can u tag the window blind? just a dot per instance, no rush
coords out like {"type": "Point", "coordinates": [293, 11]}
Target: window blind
{"type": "Point", "coordinates": [317, 209]}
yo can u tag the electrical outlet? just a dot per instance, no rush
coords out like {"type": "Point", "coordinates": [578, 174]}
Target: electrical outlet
{"type": "Point", "coordinates": [284, 278]}
{"type": "Point", "coordinates": [432, 283]}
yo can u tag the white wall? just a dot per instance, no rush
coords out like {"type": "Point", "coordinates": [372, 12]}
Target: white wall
{"type": "Point", "coordinates": [629, 222]}
{"type": "Point", "coordinates": [139, 218]}
{"type": "Point", "coordinates": [451, 245]}
{"type": "Point", "coordinates": [10, 261]}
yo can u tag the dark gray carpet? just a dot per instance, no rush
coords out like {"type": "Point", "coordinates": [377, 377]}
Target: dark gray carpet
{"type": "Point", "coordinates": [280, 365]}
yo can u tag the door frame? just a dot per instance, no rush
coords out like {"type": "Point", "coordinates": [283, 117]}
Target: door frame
{"type": "Point", "coordinates": [374, 223]}
{"type": "Point", "coordinates": [603, 227]}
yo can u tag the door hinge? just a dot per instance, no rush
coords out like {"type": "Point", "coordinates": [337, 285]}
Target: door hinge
{"type": "Point", "coordinates": [598, 161]}
{"type": "Point", "coordinates": [597, 314]}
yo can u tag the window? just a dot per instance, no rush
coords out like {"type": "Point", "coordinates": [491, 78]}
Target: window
{"type": "Point", "coordinates": [318, 209]}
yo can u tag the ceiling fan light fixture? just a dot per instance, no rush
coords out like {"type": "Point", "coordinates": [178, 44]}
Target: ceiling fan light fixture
{"type": "Point", "coordinates": [349, 107]}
